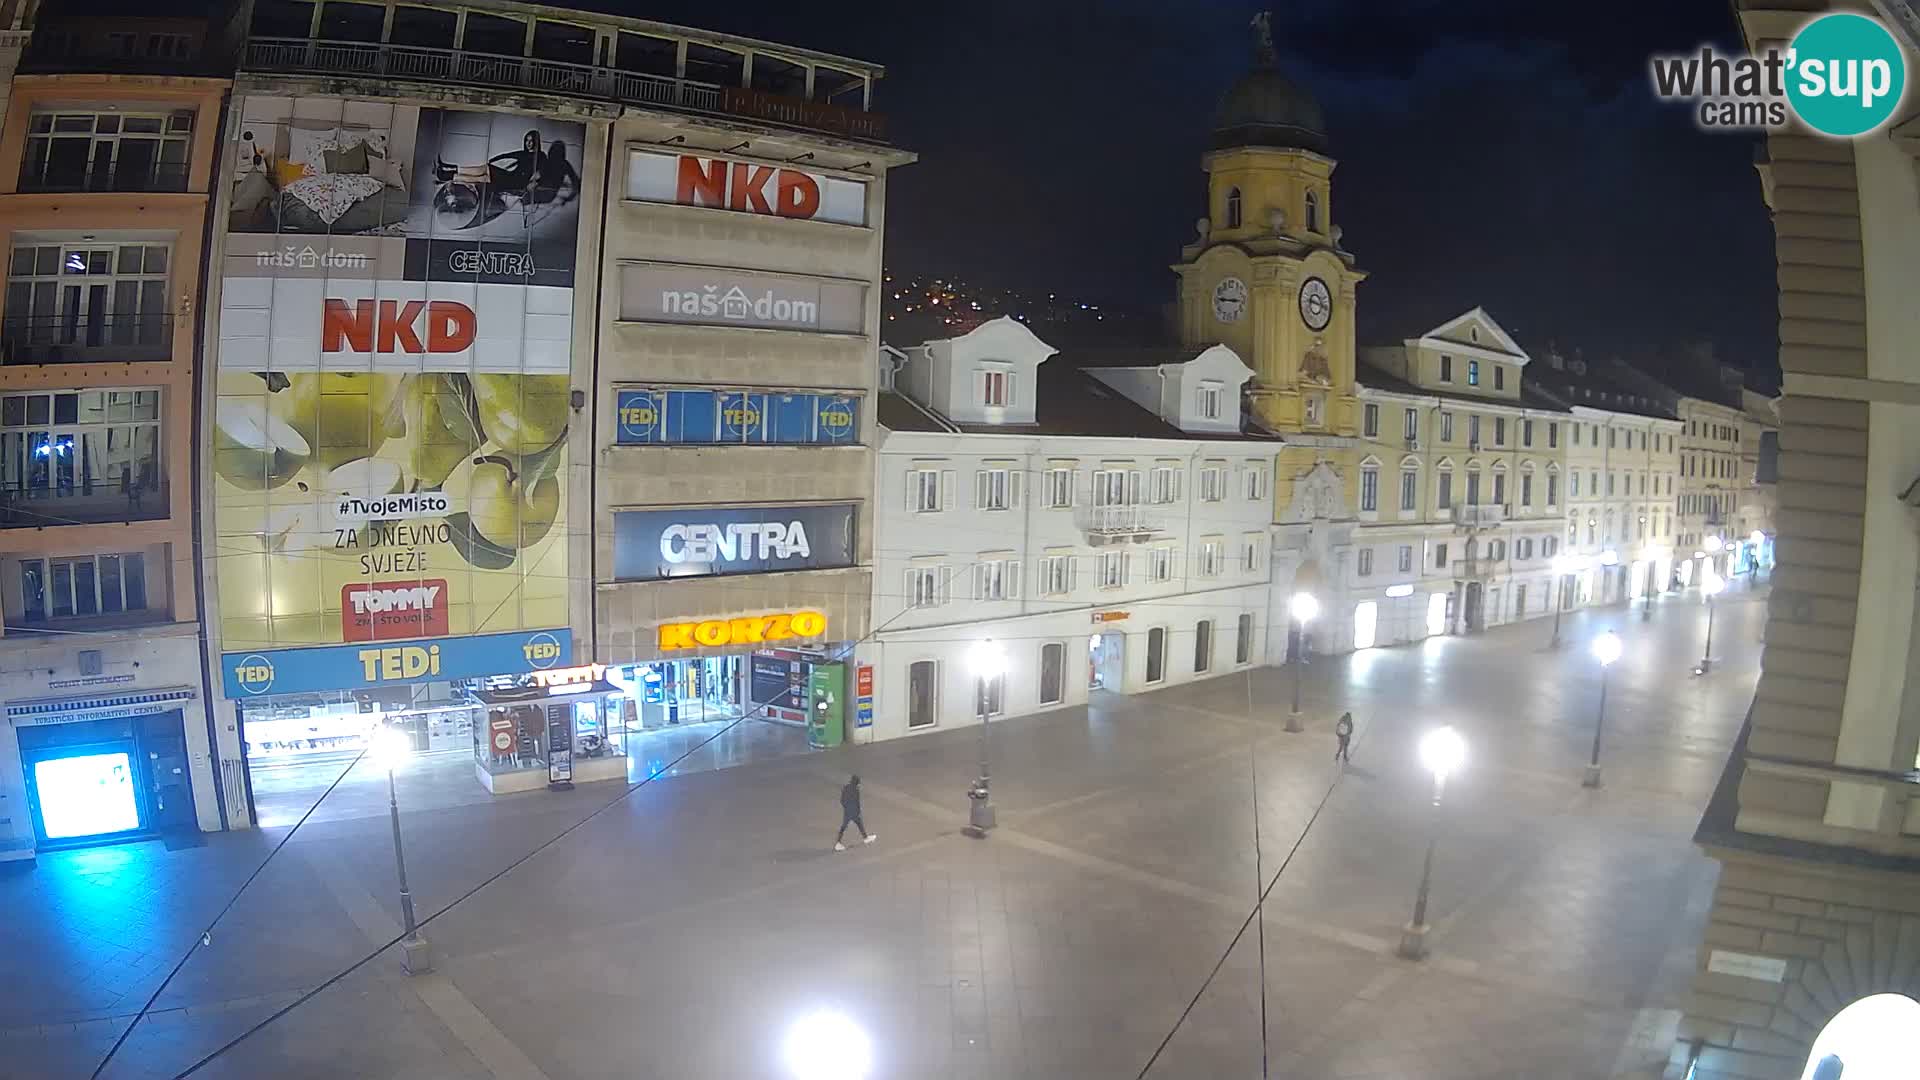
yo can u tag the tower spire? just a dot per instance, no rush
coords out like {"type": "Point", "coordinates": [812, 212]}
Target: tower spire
{"type": "Point", "coordinates": [1262, 27]}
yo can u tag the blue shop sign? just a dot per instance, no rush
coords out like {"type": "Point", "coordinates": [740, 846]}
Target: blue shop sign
{"type": "Point", "coordinates": [638, 413]}
{"type": "Point", "coordinates": [743, 418]}
{"type": "Point", "coordinates": [392, 663]}
{"type": "Point", "coordinates": [716, 417]}
{"type": "Point", "coordinates": [839, 419]}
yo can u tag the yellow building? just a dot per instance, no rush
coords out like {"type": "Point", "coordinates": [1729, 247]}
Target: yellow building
{"type": "Point", "coordinates": [1267, 277]}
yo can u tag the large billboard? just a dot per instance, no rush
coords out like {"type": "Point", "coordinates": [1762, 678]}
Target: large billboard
{"type": "Point", "coordinates": [389, 440]}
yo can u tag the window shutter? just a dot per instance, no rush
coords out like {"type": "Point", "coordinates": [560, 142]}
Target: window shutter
{"type": "Point", "coordinates": [979, 580]}
{"type": "Point", "coordinates": [1133, 487]}
{"type": "Point", "coordinates": [909, 591]}
{"type": "Point", "coordinates": [942, 583]}
{"type": "Point", "coordinates": [1174, 491]}
{"type": "Point", "coordinates": [946, 490]}
{"type": "Point", "coordinates": [1015, 475]}
{"type": "Point", "coordinates": [1010, 389]}
{"type": "Point", "coordinates": [913, 490]}
{"type": "Point", "coordinates": [1072, 565]}
{"type": "Point", "coordinates": [1013, 579]}
{"type": "Point", "coordinates": [979, 488]}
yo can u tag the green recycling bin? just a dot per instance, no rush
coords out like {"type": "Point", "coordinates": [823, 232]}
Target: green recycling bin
{"type": "Point", "coordinates": [826, 706]}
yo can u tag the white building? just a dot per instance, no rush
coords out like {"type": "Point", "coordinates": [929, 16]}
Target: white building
{"type": "Point", "coordinates": [1102, 518]}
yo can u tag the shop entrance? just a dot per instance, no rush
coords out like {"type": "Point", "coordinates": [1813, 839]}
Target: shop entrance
{"type": "Point", "coordinates": [100, 781]}
{"type": "Point", "coordinates": [1106, 661]}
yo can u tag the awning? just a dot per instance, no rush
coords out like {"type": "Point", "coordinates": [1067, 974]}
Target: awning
{"type": "Point", "coordinates": [528, 695]}
{"type": "Point", "coordinates": [105, 707]}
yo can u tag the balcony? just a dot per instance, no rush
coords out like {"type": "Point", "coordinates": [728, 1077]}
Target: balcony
{"type": "Point", "coordinates": [121, 339]}
{"type": "Point", "coordinates": [49, 177]}
{"type": "Point", "coordinates": [82, 502]}
{"type": "Point", "coordinates": [376, 60]}
{"type": "Point", "coordinates": [1482, 516]}
{"type": "Point", "coordinates": [1106, 525]}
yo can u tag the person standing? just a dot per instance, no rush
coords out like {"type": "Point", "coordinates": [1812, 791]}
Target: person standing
{"type": "Point", "coordinates": [1343, 730]}
{"type": "Point", "coordinates": [850, 815]}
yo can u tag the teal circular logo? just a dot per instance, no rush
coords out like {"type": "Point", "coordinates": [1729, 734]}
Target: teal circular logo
{"type": "Point", "coordinates": [1845, 74]}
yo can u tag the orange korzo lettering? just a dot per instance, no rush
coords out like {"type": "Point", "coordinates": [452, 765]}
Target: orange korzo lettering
{"type": "Point", "coordinates": [676, 635]}
{"type": "Point", "coordinates": [779, 627]}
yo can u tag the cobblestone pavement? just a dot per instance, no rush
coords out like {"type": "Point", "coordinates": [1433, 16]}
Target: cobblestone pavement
{"type": "Point", "coordinates": [676, 932]}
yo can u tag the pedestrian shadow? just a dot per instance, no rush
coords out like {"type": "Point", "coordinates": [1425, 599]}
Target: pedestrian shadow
{"type": "Point", "coordinates": [800, 855]}
{"type": "Point", "coordinates": [1355, 770]}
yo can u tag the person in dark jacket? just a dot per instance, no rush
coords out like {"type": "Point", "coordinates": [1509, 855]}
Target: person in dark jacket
{"type": "Point", "coordinates": [850, 815]}
{"type": "Point", "coordinates": [1343, 730]}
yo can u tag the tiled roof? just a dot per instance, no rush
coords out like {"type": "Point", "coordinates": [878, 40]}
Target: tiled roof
{"type": "Point", "coordinates": [1593, 389]}
{"type": "Point", "coordinates": [1375, 379]}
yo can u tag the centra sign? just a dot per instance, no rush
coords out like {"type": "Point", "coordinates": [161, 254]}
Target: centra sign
{"type": "Point", "coordinates": [751, 630]}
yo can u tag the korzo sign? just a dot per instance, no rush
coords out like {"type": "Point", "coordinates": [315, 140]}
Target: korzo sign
{"type": "Point", "coordinates": [695, 542]}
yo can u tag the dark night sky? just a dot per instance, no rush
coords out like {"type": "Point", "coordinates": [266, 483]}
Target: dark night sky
{"type": "Point", "coordinates": [1504, 154]}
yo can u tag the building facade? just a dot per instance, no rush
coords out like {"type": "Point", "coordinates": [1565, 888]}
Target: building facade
{"type": "Point", "coordinates": [520, 319]}
{"type": "Point", "coordinates": [1100, 517]}
{"type": "Point", "coordinates": [109, 162]}
{"type": "Point", "coordinates": [1815, 822]}
{"type": "Point", "coordinates": [1711, 484]}
{"type": "Point", "coordinates": [1459, 495]}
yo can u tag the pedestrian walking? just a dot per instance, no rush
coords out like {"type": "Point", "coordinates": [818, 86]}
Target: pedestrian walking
{"type": "Point", "coordinates": [1343, 730]}
{"type": "Point", "coordinates": [850, 815]}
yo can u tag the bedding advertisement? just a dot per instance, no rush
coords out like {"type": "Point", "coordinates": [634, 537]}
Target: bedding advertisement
{"type": "Point", "coordinates": [389, 440]}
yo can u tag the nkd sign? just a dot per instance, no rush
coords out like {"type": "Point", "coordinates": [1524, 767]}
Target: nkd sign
{"type": "Point", "coordinates": [672, 293]}
{"type": "Point", "coordinates": [649, 545]}
{"type": "Point", "coordinates": [746, 187]}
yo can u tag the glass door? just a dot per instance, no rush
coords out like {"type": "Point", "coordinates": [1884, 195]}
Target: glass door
{"type": "Point", "coordinates": [85, 793]}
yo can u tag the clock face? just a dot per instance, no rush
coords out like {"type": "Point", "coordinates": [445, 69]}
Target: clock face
{"type": "Point", "coordinates": [1230, 299]}
{"type": "Point", "coordinates": [1316, 304]}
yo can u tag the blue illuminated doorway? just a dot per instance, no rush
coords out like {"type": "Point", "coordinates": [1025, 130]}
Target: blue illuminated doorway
{"type": "Point", "coordinates": [87, 794]}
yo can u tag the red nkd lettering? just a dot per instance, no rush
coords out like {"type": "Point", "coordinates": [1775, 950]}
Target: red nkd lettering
{"type": "Point", "coordinates": [701, 183]}
{"type": "Point", "coordinates": [749, 191]}
{"type": "Point", "coordinates": [389, 326]}
{"type": "Point", "coordinates": [796, 195]}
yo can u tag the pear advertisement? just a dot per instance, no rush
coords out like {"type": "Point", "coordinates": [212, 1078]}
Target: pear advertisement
{"type": "Point", "coordinates": [389, 439]}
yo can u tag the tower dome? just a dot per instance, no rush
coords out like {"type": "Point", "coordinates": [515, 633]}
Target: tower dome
{"type": "Point", "coordinates": [1265, 108]}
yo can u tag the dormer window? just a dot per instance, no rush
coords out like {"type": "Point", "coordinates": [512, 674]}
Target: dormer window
{"type": "Point", "coordinates": [1446, 368]}
{"type": "Point", "coordinates": [1473, 333]}
{"type": "Point", "coordinates": [1313, 212]}
{"type": "Point", "coordinates": [1233, 208]}
{"type": "Point", "coordinates": [1473, 372]}
{"type": "Point", "coordinates": [996, 387]}
{"type": "Point", "coordinates": [1209, 403]}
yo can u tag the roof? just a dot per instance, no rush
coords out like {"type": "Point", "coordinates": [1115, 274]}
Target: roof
{"type": "Point", "coordinates": [897, 413]}
{"type": "Point", "coordinates": [1530, 398]}
{"type": "Point", "coordinates": [1128, 357]}
{"type": "Point", "coordinates": [1592, 389]}
{"type": "Point", "coordinates": [1069, 402]}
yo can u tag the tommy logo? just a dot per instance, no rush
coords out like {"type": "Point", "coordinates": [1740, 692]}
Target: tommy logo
{"type": "Point", "coordinates": [386, 611]}
{"type": "Point", "coordinates": [396, 327]}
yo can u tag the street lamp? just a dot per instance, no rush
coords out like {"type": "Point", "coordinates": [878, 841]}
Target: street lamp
{"type": "Point", "coordinates": [1710, 585]}
{"type": "Point", "coordinates": [388, 746]}
{"type": "Point", "coordinates": [828, 1046]}
{"type": "Point", "coordinates": [1441, 751]}
{"type": "Point", "coordinates": [987, 660]}
{"type": "Point", "coordinates": [1304, 608]}
{"type": "Point", "coordinates": [1606, 649]}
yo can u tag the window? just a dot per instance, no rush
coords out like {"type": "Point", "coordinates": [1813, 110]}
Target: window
{"type": "Point", "coordinates": [996, 488]}
{"type": "Point", "coordinates": [1313, 212]}
{"type": "Point", "coordinates": [1574, 479]}
{"type": "Point", "coordinates": [1364, 562]}
{"type": "Point", "coordinates": [1370, 421]}
{"type": "Point", "coordinates": [1409, 488]}
{"type": "Point", "coordinates": [1160, 564]}
{"type": "Point", "coordinates": [1256, 481]}
{"type": "Point", "coordinates": [1553, 436]}
{"type": "Point", "coordinates": [1250, 552]}
{"type": "Point", "coordinates": [1202, 645]}
{"type": "Point", "coordinates": [1410, 426]}
{"type": "Point", "coordinates": [1497, 550]}
{"type": "Point", "coordinates": [1446, 368]}
{"type": "Point", "coordinates": [81, 456]}
{"type": "Point", "coordinates": [1164, 484]}
{"type": "Point", "coordinates": [77, 587]}
{"type": "Point", "coordinates": [1473, 430]}
{"type": "Point", "coordinates": [1406, 558]}
{"type": "Point", "coordinates": [1553, 489]}
{"type": "Point", "coordinates": [923, 491]}
{"type": "Point", "coordinates": [1213, 483]}
{"type": "Point", "coordinates": [1526, 489]}
{"type": "Point", "coordinates": [1059, 487]}
{"type": "Point", "coordinates": [1210, 400]}
{"type": "Point", "coordinates": [1609, 483]}
{"type": "Point", "coordinates": [1444, 496]}
{"type": "Point", "coordinates": [922, 683]}
{"type": "Point", "coordinates": [1056, 575]}
{"type": "Point", "coordinates": [107, 151]}
{"type": "Point", "coordinates": [68, 302]}
{"type": "Point", "coordinates": [1500, 489]}
{"type": "Point", "coordinates": [1499, 377]}
{"type": "Point", "coordinates": [1243, 640]}
{"type": "Point", "coordinates": [1446, 427]}
{"type": "Point", "coordinates": [1440, 556]}
{"type": "Point", "coordinates": [1473, 487]}
{"type": "Point", "coordinates": [996, 388]}
{"type": "Point", "coordinates": [1116, 487]}
{"type": "Point", "coordinates": [1113, 569]}
{"type": "Point", "coordinates": [926, 586]}
{"type": "Point", "coordinates": [1313, 405]}
{"type": "Point", "coordinates": [1053, 671]}
{"type": "Point", "coordinates": [1156, 654]}
{"type": "Point", "coordinates": [508, 37]}
{"type": "Point", "coordinates": [1473, 372]}
{"type": "Point", "coordinates": [1499, 431]}
{"type": "Point", "coordinates": [1233, 208]}
{"type": "Point", "coordinates": [1369, 489]}
{"type": "Point", "coordinates": [1526, 433]}
{"type": "Point", "coordinates": [1590, 532]}
{"type": "Point", "coordinates": [996, 578]}
{"type": "Point", "coordinates": [1212, 556]}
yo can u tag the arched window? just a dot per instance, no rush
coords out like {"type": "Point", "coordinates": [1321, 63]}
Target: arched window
{"type": "Point", "coordinates": [1313, 212]}
{"type": "Point", "coordinates": [1233, 208]}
